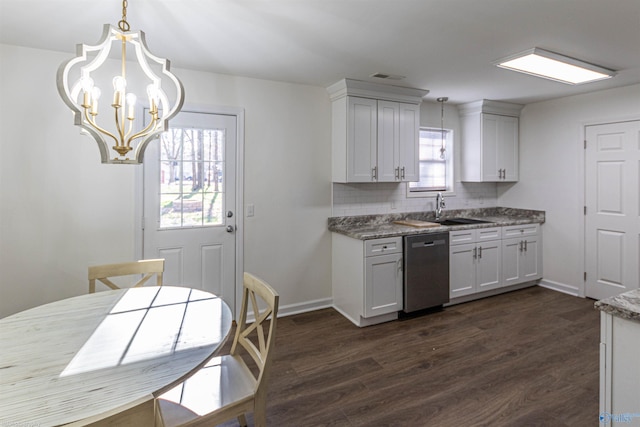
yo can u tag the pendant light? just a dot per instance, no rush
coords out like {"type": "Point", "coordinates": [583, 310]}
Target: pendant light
{"type": "Point", "coordinates": [103, 94]}
{"type": "Point", "coordinates": [443, 146]}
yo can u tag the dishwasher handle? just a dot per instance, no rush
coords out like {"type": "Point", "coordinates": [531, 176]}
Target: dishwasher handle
{"type": "Point", "coordinates": [428, 243]}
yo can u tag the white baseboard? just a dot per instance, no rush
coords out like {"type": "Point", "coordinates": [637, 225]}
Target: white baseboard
{"type": "Point", "coordinates": [304, 307]}
{"type": "Point", "coordinates": [560, 287]}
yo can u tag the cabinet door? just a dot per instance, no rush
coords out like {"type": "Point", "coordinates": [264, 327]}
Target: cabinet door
{"type": "Point", "coordinates": [490, 148]}
{"type": "Point", "coordinates": [462, 270]}
{"type": "Point", "coordinates": [388, 141]}
{"type": "Point", "coordinates": [499, 148]}
{"type": "Point", "coordinates": [489, 265]}
{"type": "Point", "coordinates": [508, 147]}
{"type": "Point", "coordinates": [409, 142]}
{"type": "Point", "coordinates": [511, 253]}
{"type": "Point", "coordinates": [531, 260]}
{"type": "Point", "coordinates": [361, 139]}
{"type": "Point", "coordinates": [383, 284]}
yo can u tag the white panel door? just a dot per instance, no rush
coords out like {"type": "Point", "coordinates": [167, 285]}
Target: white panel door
{"type": "Point", "coordinates": [409, 136]}
{"type": "Point", "coordinates": [189, 200]}
{"type": "Point", "coordinates": [511, 265]}
{"type": "Point", "coordinates": [462, 269]}
{"type": "Point", "coordinates": [508, 157]}
{"type": "Point", "coordinates": [361, 139]}
{"type": "Point", "coordinates": [383, 284]}
{"type": "Point", "coordinates": [388, 141]}
{"type": "Point", "coordinates": [490, 132]}
{"type": "Point", "coordinates": [489, 265]}
{"type": "Point", "coordinates": [612, 221]}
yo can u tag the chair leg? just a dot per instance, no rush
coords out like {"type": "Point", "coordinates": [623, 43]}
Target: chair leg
{"type": "Point", "coordinates": [260, 416]}
{"type": "Point", "coordinates": [242, 420]}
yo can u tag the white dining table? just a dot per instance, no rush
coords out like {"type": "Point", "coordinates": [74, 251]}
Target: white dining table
{"type": "Point", "coordinates": [81, 360]}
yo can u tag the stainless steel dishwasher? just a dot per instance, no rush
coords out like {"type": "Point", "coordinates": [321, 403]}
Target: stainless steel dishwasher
{"type": "Point", "coordinates": [426, 271]}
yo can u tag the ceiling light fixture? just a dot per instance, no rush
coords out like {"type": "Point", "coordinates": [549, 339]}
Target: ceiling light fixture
{"type": "Point", "coordinates": [82, 80]}
{"type": "Point", "coordinates": [553, 66]}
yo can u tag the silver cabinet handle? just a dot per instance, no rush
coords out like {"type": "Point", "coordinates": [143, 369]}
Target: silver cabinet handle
{"type": "Point", "coordinates": [475, 253]}
{"type": "Point", "coordinates": [402, 172]}
{"type": "Point", "coordinates": [398, 173]}
{"type": "Point", "coordinates": [374, 173]}
{"type": "Point", "coordinates": [480, 252]}
{"type": "Point", "coordinates": [525, 245]}
{"type": "Point", "coordinates": [521, 246]}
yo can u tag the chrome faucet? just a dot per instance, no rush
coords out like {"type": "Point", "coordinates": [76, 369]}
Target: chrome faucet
{"type": "Point", "coordinates": [439, 205]}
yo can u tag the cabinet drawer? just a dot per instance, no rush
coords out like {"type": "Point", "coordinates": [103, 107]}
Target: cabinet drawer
{"type": "Point", "coordinates": [493, 233]}
{"type": "Point", "coordinates": [520, 230]}
{"type": "Point", "coordinates": [383, 246]}
{"type": "Point", "coordinates": [461, 237]}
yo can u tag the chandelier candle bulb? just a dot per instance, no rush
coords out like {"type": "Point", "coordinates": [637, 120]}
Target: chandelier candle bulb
{"type": "Point", "coordinates": [131, 102]}
{"type": "Point", "coordinates": [95, 95]}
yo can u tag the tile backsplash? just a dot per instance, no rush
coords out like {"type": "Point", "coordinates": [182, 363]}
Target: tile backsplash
{"type": "Point", "coordinates": [388, 198]}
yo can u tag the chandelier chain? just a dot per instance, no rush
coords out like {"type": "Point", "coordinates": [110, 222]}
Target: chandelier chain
{"type": "Point", "coordinates": [123, 24]}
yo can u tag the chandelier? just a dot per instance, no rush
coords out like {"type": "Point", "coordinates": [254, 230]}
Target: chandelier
{"type": "Point", "coordinates": [83, 82]}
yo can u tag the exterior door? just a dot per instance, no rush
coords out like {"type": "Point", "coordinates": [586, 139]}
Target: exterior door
{"type": "Point", "coordinates": [189, 202]}
{"type": "Point", "coordinates": [612, 220]}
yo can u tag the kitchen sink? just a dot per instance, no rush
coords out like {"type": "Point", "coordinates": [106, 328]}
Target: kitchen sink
{"type": "Point", "coordinates": [461, 221]}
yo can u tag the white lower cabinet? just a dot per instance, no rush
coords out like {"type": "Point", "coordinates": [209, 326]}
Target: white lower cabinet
{"type": "Point", "coordinates": [487, 259]}
{"type": "Point", "coordinates": [367, 278]}
{"type": "Point", "coordinates": [619, 371]}
{"type": "Point", "coordinates": [521, 254]}
{"type": "Point", "coordinates": [474, 261]}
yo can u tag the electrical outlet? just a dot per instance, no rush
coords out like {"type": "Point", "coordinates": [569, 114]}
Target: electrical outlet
{"type": "Point", "coordinates": [250, 210]}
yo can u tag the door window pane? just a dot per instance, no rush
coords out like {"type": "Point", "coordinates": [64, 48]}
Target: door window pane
{"type": "Point", "coordinates": [191, 177]}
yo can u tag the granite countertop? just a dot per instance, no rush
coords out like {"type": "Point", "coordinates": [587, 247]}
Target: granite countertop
{"type": "Point", "coordinates": [626, 305]}
{"type": "Point", "coordinates": [364, 227]}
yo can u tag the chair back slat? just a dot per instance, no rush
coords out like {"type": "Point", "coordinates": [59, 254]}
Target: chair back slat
{"type": "Point", "coordinates": [146, 267]}
{"type": "Point", "coordinates": [252, 337]}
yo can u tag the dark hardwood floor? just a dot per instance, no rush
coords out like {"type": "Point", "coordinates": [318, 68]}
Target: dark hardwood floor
{"type": "Point", "coordinates": [526, 358]}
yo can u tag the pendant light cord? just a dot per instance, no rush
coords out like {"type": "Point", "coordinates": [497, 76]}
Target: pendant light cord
{"type": "Point", "coordinates": [443, 147]}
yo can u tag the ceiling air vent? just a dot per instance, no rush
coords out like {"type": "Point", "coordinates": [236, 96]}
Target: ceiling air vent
{"type": "Point", "coordinates": [387, 76]}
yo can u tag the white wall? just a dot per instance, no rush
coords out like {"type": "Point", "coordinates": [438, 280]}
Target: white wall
{"type": "Point", "coordinates": [552, 174]}
{"type": "Point", "coordinates": [62, 210]}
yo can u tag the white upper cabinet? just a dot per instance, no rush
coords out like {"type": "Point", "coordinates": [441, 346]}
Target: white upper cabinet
{"type": "Point", "coordinates": [374, 132]}
{"type": "Point", "coordinates": [489, 141]}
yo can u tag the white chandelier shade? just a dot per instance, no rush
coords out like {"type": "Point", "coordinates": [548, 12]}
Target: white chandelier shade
{"type": "Point", "coordinates": [85, 81]}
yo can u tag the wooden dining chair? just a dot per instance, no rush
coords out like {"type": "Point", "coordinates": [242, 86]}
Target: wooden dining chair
{"type": "Point", "coordinates": [147, 267]}
{"type": "Point", "coordinates": [232, 385]}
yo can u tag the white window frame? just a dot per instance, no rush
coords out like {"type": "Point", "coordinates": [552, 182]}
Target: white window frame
{"type": "Point", "coordinates": [450, 160]}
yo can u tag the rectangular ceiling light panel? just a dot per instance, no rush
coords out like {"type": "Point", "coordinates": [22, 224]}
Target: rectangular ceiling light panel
{"type": "Point", "coordinates": [553, 66]}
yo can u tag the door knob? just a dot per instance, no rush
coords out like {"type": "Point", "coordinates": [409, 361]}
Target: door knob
{"type": "Point", "coordinates": [230, 228]}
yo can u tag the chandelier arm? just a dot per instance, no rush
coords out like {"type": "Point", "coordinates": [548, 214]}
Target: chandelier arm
{"type": "Point", "coordinates": [143, 132]}
{"type": "Point", "coordinates": [120, 129]}
{"type": "Point", "coordinates": [128, 131]}
{"type": "Point", "coordinates": [87, 116]}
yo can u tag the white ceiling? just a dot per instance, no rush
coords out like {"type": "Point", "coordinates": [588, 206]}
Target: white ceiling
{"type": "Point", "coordinates": [446, 46]}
